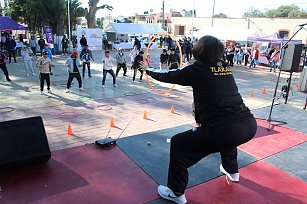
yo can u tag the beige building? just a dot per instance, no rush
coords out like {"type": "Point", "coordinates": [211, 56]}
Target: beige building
{"type": "Point", "coordinates": [263, 26]}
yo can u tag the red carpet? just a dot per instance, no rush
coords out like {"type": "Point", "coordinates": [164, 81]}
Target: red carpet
{"type": "Point", "coordinates": [84, 174]}
{"type": "Point", "coordinates": [88, 174]}
{"type": "Point", "coordinates": [259, 183]}
{"type": "Point", "coordinates": [267, 143]}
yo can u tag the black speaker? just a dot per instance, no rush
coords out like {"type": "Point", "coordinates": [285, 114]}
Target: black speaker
{"type": "Point", "coordinates": [23, 142]}
{"type": "Point", "coordinates": [292, 57]}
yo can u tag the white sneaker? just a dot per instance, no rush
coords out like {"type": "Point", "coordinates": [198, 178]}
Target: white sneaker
{"type": "Point", "coordinates": [81, 89]}
{"type": "Point", "coordinates": [42, 92]}
{"type": "Point", "coordinates": [33, 74]}
{"type": "Point", "coordinates": [49, 91]}
{"type": "Point", "coordinates": [168, 194]}
{"type": "Point", "coordinates": [115, 85]}
{"type": "Point", "coordinates": [28, 75]}
{"type": "Point", "coordinates": [233, 177]}
{"type": "Point", "coordinates": [67, 91]}
{"type": "Point", "coordinates": [102, 86]}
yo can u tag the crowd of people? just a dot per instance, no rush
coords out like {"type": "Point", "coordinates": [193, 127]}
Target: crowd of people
{"type": "Point", "coordinates": [236, 55]}
{"type": "Point", "coordinates": [170, 58]}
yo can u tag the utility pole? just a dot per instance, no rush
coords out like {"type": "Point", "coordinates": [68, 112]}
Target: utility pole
{"type": "Point", "coordinates": [163, 14]}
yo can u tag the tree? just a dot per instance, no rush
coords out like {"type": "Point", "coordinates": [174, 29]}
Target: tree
{"type": "Point", "coordinates": [90, 14]}
{"type": "Point", "coordinates": [292, 11]}
{"type": "Point", "coordinates": [220, 15]}
{"type": "Point", "coordinates": [253, 13]}
{"type": "Point", "coordinates": [284, 11]}
{"type": "Point", "coordinates": [36, 13]}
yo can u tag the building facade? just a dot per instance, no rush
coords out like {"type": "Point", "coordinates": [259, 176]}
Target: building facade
{"type": "Point", "coordinates": [285, 27]}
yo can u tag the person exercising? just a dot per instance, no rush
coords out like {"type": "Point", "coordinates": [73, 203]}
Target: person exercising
{"type": "Point", "coordinates": [224, 120]}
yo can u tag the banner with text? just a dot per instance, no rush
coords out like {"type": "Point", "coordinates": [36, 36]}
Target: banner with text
{"type": "Point", "coordinates": [48, 34]}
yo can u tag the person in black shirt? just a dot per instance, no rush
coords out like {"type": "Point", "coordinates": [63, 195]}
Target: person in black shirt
{"type": "Point", "coordinates": [137, 43]}
{"type": "Point", "coordinates": [65, 43]}
{"type": "Point", "coordinates": [246, 56]}
{"type": "Point", "coordinates": [83, 42]}
{"type": "Point", "coordinates": [224, 120]}
{"type": "Point", "coordinates": [41, 44]}
{"type": "Point", "coordinates": [11, 48]}
{"type": "Point", "coordinates": [3, 59]}
{"type": "Point", "coordinates": [137, 65]}
{"type": "Point", "coordinates": [164, 59]}
{"type": "Point", "coordinates": [188, 50]}
{"type": "Point", "coordinates": [173, 60]}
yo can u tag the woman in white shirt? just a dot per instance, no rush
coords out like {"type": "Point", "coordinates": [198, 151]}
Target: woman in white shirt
{"type": "Point", "coordinates": [134, 52]}
{"type": "Point", "coordinates": [25, 53]}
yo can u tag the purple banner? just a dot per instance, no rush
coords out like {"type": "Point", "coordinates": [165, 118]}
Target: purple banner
{"type": "Point", "coordinates": [48, 33]}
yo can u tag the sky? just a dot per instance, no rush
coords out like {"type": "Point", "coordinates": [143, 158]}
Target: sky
{"type": "Point", "coordinates": [232, 8]}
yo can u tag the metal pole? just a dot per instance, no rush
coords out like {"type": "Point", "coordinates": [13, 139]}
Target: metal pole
{"type": "Point", "coordinates": [269, 119]}
{"type": "Point", "coordinates": [68, 16]}
{"type": "Point", "coordinates": [289, 87]}
{"type": "Point", "coordinates": [163, 14]}
{"type": "Point", "coordinates": [212, 13]}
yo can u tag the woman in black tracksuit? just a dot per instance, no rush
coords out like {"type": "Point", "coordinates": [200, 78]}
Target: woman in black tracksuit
{"type": "Point", "coordinates": [224, 120]}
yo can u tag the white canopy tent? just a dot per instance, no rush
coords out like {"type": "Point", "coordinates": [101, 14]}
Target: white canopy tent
{"type": "Point", "coordinates": [132, 28]}
{"type": "Point", "coordinates": [116, 31]}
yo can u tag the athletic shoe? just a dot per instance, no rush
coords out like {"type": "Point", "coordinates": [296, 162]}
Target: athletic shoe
{"type": "Point", "coordinates": [42, 92]}
{"type": "Point", "coordinates": [102, 86]}
{"type": "Point", "coordinates": [115, 85]}
{"type": "Point", "coordinates": [233, 177]}
{"type": "Point", "coordinates": [168, 194]}
{"type": "Point", "coordinates": [28, 75]}
{"type": "Point", "coordinates": [8, 79]}
{"type": "Point", "coordinates": [49, 91]}
{"type": "Point", "coordinates": [81, 89]}
{"type": "Point", "coordinates": [90, 76]}
{"type": "Point", "coordinates": [67, 91]}
{"type": "Point", "coordinates": [33, 74]}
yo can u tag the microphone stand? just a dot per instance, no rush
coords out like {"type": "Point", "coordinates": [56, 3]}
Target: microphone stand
{"type": "Point", "coordinates": [269, 119]}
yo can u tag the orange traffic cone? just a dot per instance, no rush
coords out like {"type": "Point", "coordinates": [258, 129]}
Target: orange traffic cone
{"type": "Point", "coordinates": [172, 109]}
{"type": "Point", "coordinates": [252, 93]}
{"type": "Point", "coordinates": [69, 130]}
{"type": "Point", "coordinates": [264, 91]}
{"type": "Point", "coordinates": [145, 115]}
{"type": "Point", "coordinates": [112, 123]}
